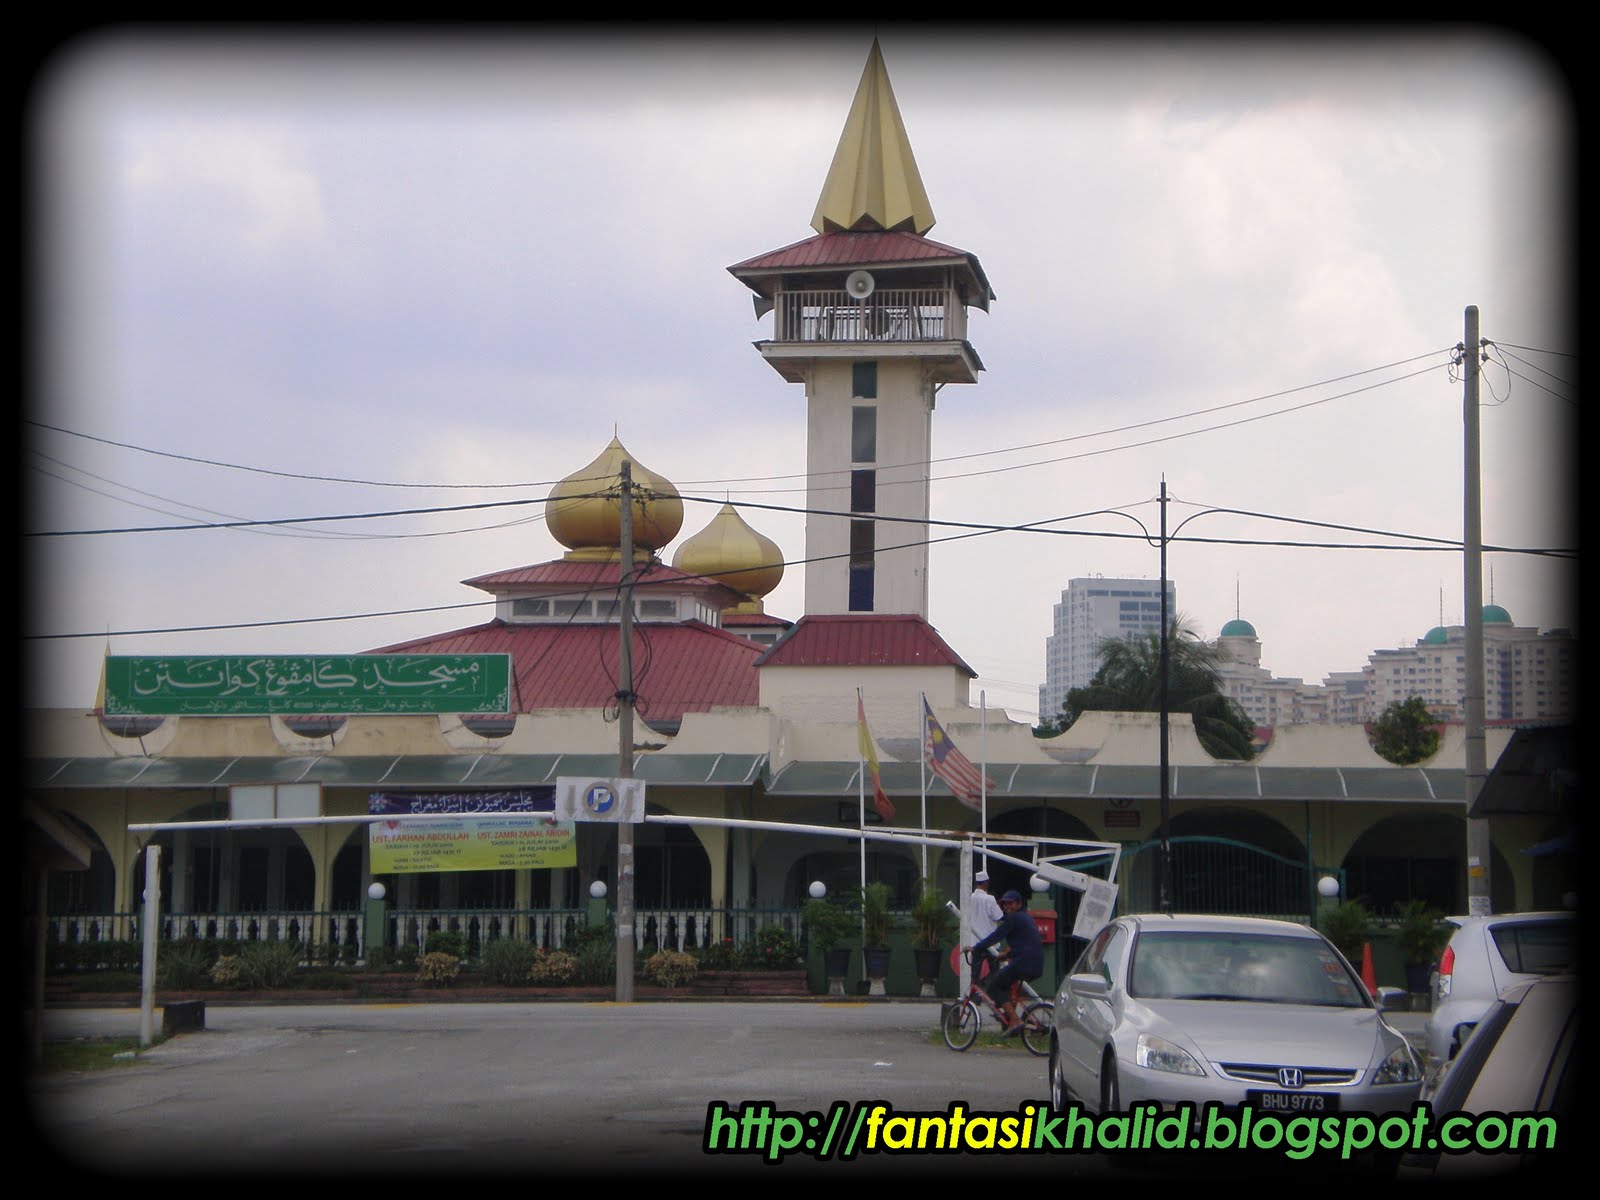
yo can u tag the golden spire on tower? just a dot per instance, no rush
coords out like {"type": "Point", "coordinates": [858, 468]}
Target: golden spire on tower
{"type": "Point", "coordinates": [873, 183]}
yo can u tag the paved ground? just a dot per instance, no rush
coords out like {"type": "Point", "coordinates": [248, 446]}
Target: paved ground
{"type": "Point", "coordinates": [464, 1090]}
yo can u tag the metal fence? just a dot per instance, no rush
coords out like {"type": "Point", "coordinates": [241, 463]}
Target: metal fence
{"type": "Point", "coordinates": [1221, 876]}
{"type": "Point", "coordinates": [341, 936]}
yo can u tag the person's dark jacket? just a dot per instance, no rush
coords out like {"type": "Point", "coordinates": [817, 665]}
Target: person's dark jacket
{"type": "Point", "coordinates": [1019, 932]}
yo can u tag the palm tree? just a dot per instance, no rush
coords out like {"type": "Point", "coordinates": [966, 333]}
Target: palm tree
{"type": "Point", "coordinates": [1129, 680]}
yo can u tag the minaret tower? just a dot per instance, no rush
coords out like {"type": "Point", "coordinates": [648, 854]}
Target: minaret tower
{"type": "Point", "coordinates": [871, 315]}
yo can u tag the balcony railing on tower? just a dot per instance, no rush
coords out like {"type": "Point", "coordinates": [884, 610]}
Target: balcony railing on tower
{"type": "Point", "coordinates": [888, 315]}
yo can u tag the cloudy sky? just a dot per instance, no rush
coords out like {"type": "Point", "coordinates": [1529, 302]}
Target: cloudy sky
{"type": "Point", "coordinates": [451, 266]}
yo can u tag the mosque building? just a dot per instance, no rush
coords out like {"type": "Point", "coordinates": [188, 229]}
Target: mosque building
{"type": "Point", "coordinates": [742, 715]}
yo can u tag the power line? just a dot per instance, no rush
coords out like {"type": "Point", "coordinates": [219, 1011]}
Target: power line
{"type": "Point", "coordinates": [743, 503]}
{"type": "Point", "coordinates": [1531, 349]}
{"type": "Point", "coordinates": [970, 529]}
{"type": "Point", "coordinates": [300, 475]}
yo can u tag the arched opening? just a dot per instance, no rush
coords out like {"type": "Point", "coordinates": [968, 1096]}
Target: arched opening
{"type": "Point", "coordinates": [1420, 856]}
{"type": "Point", "coordinates": [81, 893]}
{"type": "Point", "coordinates": [839, 870]}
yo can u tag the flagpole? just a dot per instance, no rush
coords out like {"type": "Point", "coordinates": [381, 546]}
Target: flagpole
{"type": "Point", "coordinates": [983, 770]}
{"type": "Point", "coordinates": [921, 727]}
{"type": "Point", "coordinates": [861, 810]}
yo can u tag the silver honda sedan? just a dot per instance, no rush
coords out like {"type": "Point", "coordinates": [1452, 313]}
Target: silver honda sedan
{"type": "Point", "coordinates": [1177, 1009]}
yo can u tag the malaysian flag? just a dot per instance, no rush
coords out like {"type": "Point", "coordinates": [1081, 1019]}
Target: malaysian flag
{"type": "Point", "coordinates": [949, 764]}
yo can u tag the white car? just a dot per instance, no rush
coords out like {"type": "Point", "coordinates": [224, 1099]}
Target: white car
{"type": "Point", "coordinates": [1522, 1059]}
{"type": "Point", "coordinates": [1487, 955]}
{"type": "Point", "coordinates": [1176, 1009]}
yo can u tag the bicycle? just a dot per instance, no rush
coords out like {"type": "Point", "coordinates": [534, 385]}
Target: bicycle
{"type": "Point", "coordinates": [964, 1019]}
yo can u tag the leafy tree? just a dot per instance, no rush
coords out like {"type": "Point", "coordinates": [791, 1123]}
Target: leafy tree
{"type": "Point", "coordinates": [1129, 680]}
{"type": "Point", "coordinates": [1405, 733]}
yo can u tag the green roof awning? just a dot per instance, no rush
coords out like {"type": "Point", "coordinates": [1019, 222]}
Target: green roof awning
{"type": "Point", "coordinates": [1033, 781]}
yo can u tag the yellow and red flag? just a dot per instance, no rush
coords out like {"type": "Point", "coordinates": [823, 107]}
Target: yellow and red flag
{"type": "Point", "coordinates": [869, 757]}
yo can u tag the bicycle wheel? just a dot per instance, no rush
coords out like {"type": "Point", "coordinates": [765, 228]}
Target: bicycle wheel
{"type": "Point", "coordinates": [961, 1024]}
{"type": "Point", "coordinates": [1037, 1019]}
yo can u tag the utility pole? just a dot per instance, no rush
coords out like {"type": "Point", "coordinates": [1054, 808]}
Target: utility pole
{"type": "Point", "coordinates": [1477, 771]}
{"type": "Point", "coordinates": [625, 916]}
{"type": "Point", "coordinates": [1161, 687]}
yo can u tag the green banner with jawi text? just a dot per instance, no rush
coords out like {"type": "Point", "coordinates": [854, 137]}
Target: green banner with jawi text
{"type": "Point", "coordinates": [323, 685]}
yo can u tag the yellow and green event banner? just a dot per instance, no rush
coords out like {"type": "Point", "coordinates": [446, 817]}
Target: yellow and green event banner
{"type": "Point", "coordinates": [472, 831]}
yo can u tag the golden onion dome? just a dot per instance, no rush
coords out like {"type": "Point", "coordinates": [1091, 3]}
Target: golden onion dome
{"type": "Point", "coordinates": [731, 552]}
{"type": "Point", "coordinates": [584, 511]}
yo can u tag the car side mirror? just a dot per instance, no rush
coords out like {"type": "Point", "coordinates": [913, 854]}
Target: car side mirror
{"type": "Point", "coordinates": [1091, 984]}
{"type": "Point", "coordinates": [1393, 999]}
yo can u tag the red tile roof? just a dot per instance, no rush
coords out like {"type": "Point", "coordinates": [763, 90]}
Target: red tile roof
{"type": "Point", "coordinates": [685, 667]}
{"type": "Point", "coordinates": [862, 639]}
{"type": "Point", "coordinates": [731, 619]}
{"type": "Point", "coordinates": [850, 249]}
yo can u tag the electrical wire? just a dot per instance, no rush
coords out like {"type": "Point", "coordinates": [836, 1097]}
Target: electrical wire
{"type": "Point", "coordinates": [300, 475]}
{"type": "Point", "coordinates": [970, 529]}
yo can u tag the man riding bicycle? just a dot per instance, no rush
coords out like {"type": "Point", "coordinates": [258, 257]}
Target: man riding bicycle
{"type": "Point", "coordinates": [1024, 957]}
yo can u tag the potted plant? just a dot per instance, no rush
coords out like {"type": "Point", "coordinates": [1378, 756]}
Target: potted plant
{"type": "Point", "coordinates": [1420, 935]}
{"type": "Point", "coordinates": [827, 925]}
{"type": "Point", "coordinates": [930, 924]}
{"type": "Point", "coordinates": [876, 922]}
{"type": "Point", "coordinates": [1348, 926]}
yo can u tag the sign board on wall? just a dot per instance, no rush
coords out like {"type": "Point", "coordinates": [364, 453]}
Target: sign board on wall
{"type": "Point", "coordinates": [495, 831]}
{"type": "Point", "coordinates": [265, 685]}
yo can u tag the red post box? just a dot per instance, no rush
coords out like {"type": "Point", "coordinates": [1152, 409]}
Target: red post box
{"type": "Point", "coordinates": [1046, 921]}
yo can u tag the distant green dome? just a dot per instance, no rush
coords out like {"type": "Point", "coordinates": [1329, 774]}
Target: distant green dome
{"type": "Point", "coordinates": [1435, 636]}
{"type": "Point", "coordinates": [1493, 614]}
{"type": "Point", "coordinates": [1238, 628]}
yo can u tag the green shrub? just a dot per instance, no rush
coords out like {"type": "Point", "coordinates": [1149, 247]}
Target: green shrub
{"type": "Point", "coordinates": [438, 968]}
{"type": "Point", "coordinates": [772, 949]}
{"type": "Point", "coordinates": [719, 956]}
{"type": "Point", "coordinates": [508, 961]}
{"type": "Point", "coordinates": [552, 968]}
{"type": "Point", "coordinates": [405, 956]}
{"type": "Point", "coordinates": [827, 923]}
{"type": "Point", "coordinates": [1348, 926]}
{"type": "Point", "coordinates": [267, 965]}
{"type": "Point", "coordinates": [184, 965]}
{"type": "Point", "coordinates": [225, 971]}
{"type": "Point", "coordinates": [597, 964]}
{"type": "Point", "coordinates": [444, 941]}
{"type": "Point", "coordinates": [591, 935]}
{"type": "Point", "coordinates": [670, 968]}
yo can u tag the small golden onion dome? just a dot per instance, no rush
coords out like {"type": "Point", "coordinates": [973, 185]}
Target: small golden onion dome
{"type": "Point", "coordinates": [731, 552]}
{"type": "Point", "coordinates": [584, 511]}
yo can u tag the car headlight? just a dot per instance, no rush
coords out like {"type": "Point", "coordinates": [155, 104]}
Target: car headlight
{"type": "Point", "coordinates": [1399, 1067]}
{"type": "Point", "coordinates": [1158, 1054]}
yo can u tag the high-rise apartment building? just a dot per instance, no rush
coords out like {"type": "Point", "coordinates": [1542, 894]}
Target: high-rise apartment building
{"type": "Point", "coordinates": [1091, 611]}
{"type": "Point", "coordinates": [1529, 675]}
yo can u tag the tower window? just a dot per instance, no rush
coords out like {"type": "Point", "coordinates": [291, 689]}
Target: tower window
{"type": "Point", "coordinates": [862, 541]}
{"type": "Point", "coordinates": [864, 380]}
{"type": "Point", "coordinates": [863, 433]}
{"type": "Point", "coordinates": [864, 490]}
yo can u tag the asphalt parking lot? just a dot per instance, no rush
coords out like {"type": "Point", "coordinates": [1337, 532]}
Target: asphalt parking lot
{"type": "Point", "coordinates": [526, 1090]}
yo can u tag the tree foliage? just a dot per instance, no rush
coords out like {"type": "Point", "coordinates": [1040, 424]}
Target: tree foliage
{"type": "Point", "coordinates": [1129, 680]}
{"type": "Point", "coordinates": [1405, 733]}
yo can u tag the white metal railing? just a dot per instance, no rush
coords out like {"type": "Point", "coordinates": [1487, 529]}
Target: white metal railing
{"type": "Point", "coordinates": [888, 315]}
{"type": "Point", "coordinates": [330, 934]}
{"type": "Point", "coordinates": [342, 935]}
